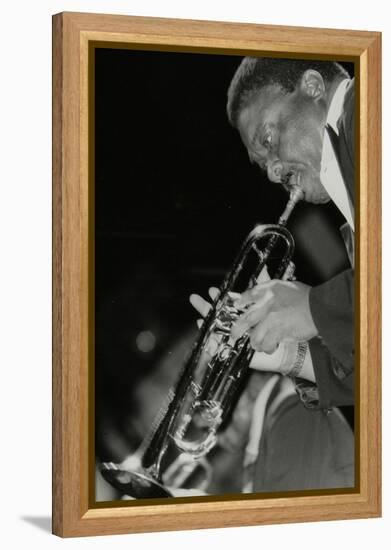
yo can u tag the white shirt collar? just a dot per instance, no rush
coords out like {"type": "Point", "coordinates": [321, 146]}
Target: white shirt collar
{"type": "Point", "coordinates": [330, 172]}
{"type": "Point", "coordinates": [336, 105]}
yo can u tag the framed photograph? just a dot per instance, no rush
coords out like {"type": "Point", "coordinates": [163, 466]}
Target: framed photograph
{"type": "Point", "coordinates": [216, 274]}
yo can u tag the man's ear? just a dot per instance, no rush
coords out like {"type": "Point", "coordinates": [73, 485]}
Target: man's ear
{"type": "Point", "coordinates": [312, 84]}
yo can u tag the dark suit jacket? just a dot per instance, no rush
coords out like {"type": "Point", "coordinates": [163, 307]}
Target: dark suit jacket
{"type": "Point", "coordinates": [303, 449]}
{"type": "Point", "coordinates": [332, 303]}
{"type": "Point", "coordinates": [299, 448]}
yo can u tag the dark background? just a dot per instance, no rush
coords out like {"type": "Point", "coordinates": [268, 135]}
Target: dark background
{"type": "Point", "coordinates": [175, 197]}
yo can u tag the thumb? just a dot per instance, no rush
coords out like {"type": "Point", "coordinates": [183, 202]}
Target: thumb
{"type": "Point", "coordinates": [201, 305]}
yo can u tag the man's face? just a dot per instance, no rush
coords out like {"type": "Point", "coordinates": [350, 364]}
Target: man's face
{"type": "Point", "coordinates": [283, 134]}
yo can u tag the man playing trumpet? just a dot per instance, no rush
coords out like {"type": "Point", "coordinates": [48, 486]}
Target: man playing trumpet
{"type": "Point", "coordinates": [296, 120]}
{"type": "Point", "coordinates": [296, 117]}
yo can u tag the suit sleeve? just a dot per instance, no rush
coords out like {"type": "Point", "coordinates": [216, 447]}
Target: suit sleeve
{"type": "Point", "coordinates": [332, 352]}
{"type": "Point", "coordinates": [333, 313]}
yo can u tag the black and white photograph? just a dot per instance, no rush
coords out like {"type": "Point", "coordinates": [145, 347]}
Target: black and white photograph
{"type": "Point", "coordinates": [224, 334]}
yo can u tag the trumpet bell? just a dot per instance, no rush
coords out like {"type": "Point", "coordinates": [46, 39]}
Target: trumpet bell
{"type": "Point", "coordinates": [134, 484]}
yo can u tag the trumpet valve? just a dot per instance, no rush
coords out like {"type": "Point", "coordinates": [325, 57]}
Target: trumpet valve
{"type": "Point", "coordinates": [211, 413]}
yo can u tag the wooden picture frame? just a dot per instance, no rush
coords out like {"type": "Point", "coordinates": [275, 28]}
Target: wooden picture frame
{"type": "Point", "coordinates": [73, 34]}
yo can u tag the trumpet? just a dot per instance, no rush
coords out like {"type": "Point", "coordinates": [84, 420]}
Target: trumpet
{"type": "Point", "coordinates": [211, 378]}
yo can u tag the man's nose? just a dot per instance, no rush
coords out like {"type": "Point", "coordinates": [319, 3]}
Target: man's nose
{"type": "Point", "coordinates": [274, 171]}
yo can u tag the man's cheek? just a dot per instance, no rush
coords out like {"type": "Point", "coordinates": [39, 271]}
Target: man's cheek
{"type": "Point", "coordinates": [289, 150]}
{"type": "Point", "coordinates": [295, 145]}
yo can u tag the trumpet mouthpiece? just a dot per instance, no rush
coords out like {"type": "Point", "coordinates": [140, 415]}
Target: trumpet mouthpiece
{"type": "Point", "coordinates": [296, 194]}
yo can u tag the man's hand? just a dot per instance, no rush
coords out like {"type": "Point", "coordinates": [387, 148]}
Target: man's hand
{"type": "Point", "coordinates": [284, 355]}
{"type": "Point", "coordinates": [201, 305]}
{"type": "Point", "coordinates": [278, 311]}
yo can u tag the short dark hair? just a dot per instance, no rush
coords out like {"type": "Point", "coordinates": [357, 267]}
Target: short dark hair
{"type": "Point", "coordinates": [254, 73]}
